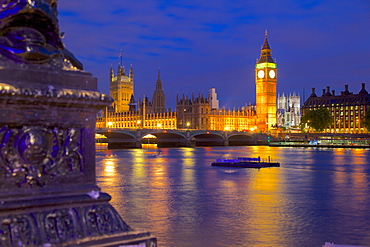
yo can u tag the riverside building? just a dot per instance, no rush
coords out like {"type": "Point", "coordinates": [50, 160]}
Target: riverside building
{"type": "Point", "coordinates": [196, 112]}
{"type": "Point", "coordinates": [346, 108]}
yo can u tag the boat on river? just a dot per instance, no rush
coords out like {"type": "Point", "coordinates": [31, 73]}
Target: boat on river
{"type": "Point", "coordinates": [245, 162]}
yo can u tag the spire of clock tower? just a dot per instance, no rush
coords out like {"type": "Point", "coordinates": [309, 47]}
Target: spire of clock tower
{"type": "Point", "coordinates": [266, 52]}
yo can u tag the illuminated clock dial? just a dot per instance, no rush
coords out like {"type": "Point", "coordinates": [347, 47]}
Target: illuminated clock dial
{"type": "Point", "coordinates": [261, 74]}
{"type": "Point", "coordinates": [272, 74]}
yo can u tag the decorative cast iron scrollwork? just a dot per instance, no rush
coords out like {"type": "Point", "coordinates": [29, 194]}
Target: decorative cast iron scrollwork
{"type": "Point", "coordinates": [16, 230]}
{"type": "Point", "coordinates": [32, 155]}
{"type": "Point", "coordinates": [103, 220]}
{"type": "Point", "coordinates": [60, 225]}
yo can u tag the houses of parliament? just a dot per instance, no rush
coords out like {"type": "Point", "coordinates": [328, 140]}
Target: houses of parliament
{"type": "Point", "coordinates": [202, 111]}
{"type": "Point", "coordinates": [195, 111]}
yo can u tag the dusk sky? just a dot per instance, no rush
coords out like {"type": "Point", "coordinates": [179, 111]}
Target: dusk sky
{"type": "Point", "coordinates": [200, 44]}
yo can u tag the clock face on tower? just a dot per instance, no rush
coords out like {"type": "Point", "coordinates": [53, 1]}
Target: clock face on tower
{"type": "Point", "coordinates": [272, 74]}
{"type": "Point", "coordinates": [261, 74]}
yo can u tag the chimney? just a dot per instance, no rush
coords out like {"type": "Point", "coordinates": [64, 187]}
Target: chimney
{"type": "Point", "coordinates": [313, 94]}
{"type": "Point", "coordinates": [363, 90]}
{"type": "Point", "coordinates": [328, 91]}
{"type": "Point", "coordinates": [333, 92]}
{"type": "Point", "coordinates": [323, 92]}
{"type": "Point", "coordinates": [346, 92]}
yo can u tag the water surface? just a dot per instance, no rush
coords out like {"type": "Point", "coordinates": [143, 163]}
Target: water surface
{"type": "Point", "coordinates": [316, 196]}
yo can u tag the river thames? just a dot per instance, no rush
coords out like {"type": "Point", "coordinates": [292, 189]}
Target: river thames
{"type": "Point", "coordinates": [316, 196]}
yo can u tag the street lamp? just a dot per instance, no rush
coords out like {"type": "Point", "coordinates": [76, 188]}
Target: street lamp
{"type": "Point", "coordinates": [110, 124]}
{"type": "Point", "coordinates": [188, 125]}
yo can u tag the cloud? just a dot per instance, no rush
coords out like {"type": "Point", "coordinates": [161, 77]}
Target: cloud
{"type": "Point", "coordinates": [199, 44]}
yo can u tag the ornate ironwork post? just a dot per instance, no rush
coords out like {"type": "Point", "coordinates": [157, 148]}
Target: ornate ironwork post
{"type": "Point", "coordinates": [48, 107]}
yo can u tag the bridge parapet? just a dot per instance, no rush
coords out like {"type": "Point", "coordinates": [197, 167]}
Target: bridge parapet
{"type": "Point", "coordinates": [167, 137]}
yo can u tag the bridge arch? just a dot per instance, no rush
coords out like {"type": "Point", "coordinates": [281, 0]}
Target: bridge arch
{"type": "Point", "coordinates": [119, 138]}
{"type": "Point", "coordinates": [240, 139]}
{"type": "Point", "coordinates": [207, 139]}
{"type": "Point", "coordinates": [167, 138]}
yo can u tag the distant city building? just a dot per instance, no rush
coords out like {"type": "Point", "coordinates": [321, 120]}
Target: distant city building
{"type": "Point", "coordinates": [213, 99]}
{"type": "Point", "coordinates": [136, 120]}
{"type": "Point", "coordinates": [201, 112]}
{"type": "Point", "coordinates": [193, 113]}
{"type": "Point", "coordinates": [289, 111]}
{"type": "Point", "coordinates": [241, 119]}
{"type": "Point", "coordinates": [158, 104]}
{"type": "Point", "coordinates": [266, 77]}
{"type": "Point", "coordinates": [131, 114]}
{"type": "Point", "coordinates": [196, 113]}
{"type": "Point", "coordinates": [121, 88]}
{"type": "Point", "coordinates": [347, 109]}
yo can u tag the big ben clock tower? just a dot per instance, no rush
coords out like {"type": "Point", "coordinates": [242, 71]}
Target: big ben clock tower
{"type": "Point", "coordinates": [266, 73]}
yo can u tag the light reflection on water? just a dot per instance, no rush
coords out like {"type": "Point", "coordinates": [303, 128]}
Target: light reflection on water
{"type": "Point", "coordinates": [316, 196]}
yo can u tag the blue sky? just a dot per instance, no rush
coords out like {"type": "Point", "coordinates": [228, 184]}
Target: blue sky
{"type": "Point", "coordinates": [200, 44]}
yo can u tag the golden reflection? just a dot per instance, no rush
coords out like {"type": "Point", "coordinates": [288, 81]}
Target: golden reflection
{"type": "Point", "coordinates": [159, 197]}
{"type": "Point", "coordinates": [351, 178]}
{"type": "Point", "coordinates": [261, 198]}
{"type": "Point", "coordinates": [339, 161]}
{"type": "Point", "coordinates": [188, 182]}
{"type": "Point", "coordinates": [188, 153]}
{"type": "Point", "coordinates": [138, 160]}
{"type": "Point", "coordinates": [267, 200]}
{"type": "Point", "coordinates": [109, 168]}
{"type": "Point", "coordinates": [269, 204]}
{"type": "Point", "coordinates": [109, 172]}
{"type": "Point", "coordinates": [149, 146]}
{"type": "Point", "coordinates": [358, 177]}
{"type": "Point", "coordinates": [229, 187]}
{"type": "Point", "coordinates": [265, 153]}
{"type": "Point", "coordinates": [187, 168]}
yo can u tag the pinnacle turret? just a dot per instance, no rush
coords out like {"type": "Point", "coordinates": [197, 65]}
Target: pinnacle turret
{"type": "Point", "coordinates": [266, 52]}
{"type": "Point", "coordinates": [159, 81]}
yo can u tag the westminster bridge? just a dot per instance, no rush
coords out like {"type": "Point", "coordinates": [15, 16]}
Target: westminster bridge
{"type": "Point", "coordinates": [134, 138]}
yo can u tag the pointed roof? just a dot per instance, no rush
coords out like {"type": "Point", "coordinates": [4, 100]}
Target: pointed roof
{"type": "Point", "coordinates": [131, 70]}
{"type": "Point", "coordinates": [111, 72]}
{"type": "Point", "coordinates": [266, 43]}
{"type": "Point", "coordinates": [159, 76]}
{"type": "Point", "coordinates": [158, 84]}
{"type": "Point", "coordinates": [266, 52]}
{"type": "Point", "coordinates": [132, 99]}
